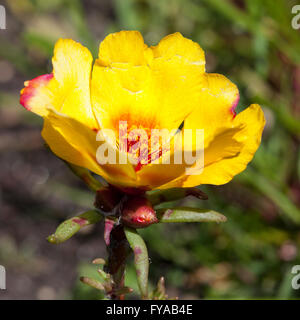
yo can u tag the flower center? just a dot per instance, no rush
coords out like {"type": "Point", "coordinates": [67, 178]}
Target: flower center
{"type": "Point", "coordinates": [142, 140]}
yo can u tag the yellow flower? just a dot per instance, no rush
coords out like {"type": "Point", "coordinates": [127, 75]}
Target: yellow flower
{"type": "Point", "coordinates": [160, 87]}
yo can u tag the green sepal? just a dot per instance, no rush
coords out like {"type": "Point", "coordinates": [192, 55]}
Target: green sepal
{"type": "Point", "coordinates": [71, 226]}
{"type": "Point", "coordinates": [184, 214]}
{"type": "Point", "coordinates": [141, 260]}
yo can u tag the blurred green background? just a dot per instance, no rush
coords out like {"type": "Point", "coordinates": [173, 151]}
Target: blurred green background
{"type": "Point", "coordinates": [251, 255]}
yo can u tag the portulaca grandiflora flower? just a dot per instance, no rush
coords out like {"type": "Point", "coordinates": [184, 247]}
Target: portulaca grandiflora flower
{"type": "Point", "coordinates": [103, 115]}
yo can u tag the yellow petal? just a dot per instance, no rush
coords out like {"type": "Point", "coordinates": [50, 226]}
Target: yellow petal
{"type": "Point", "coordinates": [63, 149]}
{"type": "Point", "coordinates": [76, 143]}
{"type": "Point", "coordinates": [214, 114]}
{"type": "Point", "coordinates": [217, 102]}
{"type": "Point", "coordinates": [177, 47]}
{"type": "Point", "coordinates": [171, 164]}
{"type": "Point", "coordinates": [229, 153]}
{"type": "Point", "coordinates": [147, 87]}
{"type": "Point", "coordinates": [156, 174]}
{"type": "Point", "coordinates": [123, 47]}
{"type": "Point", "coordinates": [67, 89]}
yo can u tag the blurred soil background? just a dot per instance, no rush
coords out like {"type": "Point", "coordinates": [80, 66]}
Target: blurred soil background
{"type": "Point", "coordinates": [253, 43]}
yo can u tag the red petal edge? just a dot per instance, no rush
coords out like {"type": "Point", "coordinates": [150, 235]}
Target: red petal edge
{"type": "Point", "coordinates": [234, 105]}
{"type": "Point", "coordinates": [31, 86]}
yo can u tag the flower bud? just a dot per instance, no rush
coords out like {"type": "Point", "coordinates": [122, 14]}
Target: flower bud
{"type": "Point", "coordinates": [138, 212]}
